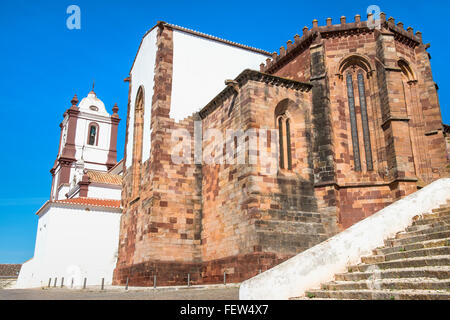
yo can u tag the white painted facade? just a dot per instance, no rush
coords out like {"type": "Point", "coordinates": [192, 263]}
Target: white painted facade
{"type": "Point", "coordinates": [200, 67]}
{"type": "Point", "coordinates": [104, 191]}
{"type": "Point", "coordinates": [142, 74]}
{"type": "Point", "coordinates": [320, 263]}
{"type": "Point", "coordinates": [72, 242]}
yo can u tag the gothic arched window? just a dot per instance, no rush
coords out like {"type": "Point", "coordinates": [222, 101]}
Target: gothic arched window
{"type": "Point", "coordinates": [137, 138]}
{"type": "Point", "coordinates": [407, 72]}
{"type": "Point", "coordinates": [93, 134]}
{"type": "Point", "coordinates": [356, 71]}
{"type": "Point", "coordinates": [284, 136]}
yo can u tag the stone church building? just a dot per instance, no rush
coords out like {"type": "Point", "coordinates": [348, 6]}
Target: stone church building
{"type": "Point", "coordinates": [358, 125]}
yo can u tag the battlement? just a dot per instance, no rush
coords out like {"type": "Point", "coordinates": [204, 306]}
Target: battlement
{"type": "Point", "coordinates": [344, 28]}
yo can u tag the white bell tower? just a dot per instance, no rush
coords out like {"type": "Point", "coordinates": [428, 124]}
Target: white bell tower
{"type": "Point", "coordinates": [88, 141]}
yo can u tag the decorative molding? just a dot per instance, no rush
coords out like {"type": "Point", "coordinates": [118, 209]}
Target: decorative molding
{"type": "Point", "coordinates": [391, 119]}
{"type": "Point", "coordinates": [431, 133]}
{"type": "Point", "coordinates": [363, 184]}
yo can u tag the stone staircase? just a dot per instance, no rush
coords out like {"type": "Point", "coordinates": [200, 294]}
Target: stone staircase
{"type": "Point", "coordinates": [415, 265]}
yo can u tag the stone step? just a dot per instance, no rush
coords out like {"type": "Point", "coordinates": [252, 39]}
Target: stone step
{"type": "Point", "coordinates": [413, 246]}
{"type": "Point", "coordinates": [299, 227]}
{"type": "Point", "coordinates": [438, 251]}
{"type": "Point", "coordinates": [420, 227]}
{"type": "Point", "coordinates": [389, 284]}
{"type": "Point", "coordinates": [380, 295]}
{"type": "Point", "coordinates": [427, 221]}
{"type": "Point", "coordinates": [443, 260]}
{"type": "Point", "coordinates": [404, 235]}
{"type": "Point", "coordinates": [424, 272]}
{"type": "Point", "coordinates": [444, 209]}
{"type": "Point", "coordinates": [295, 216]}
{"type": "Point", "coordinates": [419, 238]}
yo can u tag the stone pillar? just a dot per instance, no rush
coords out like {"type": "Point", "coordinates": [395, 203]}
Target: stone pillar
{"type": "Point", "coordinates": [68, 152]}
{"type": "Point", "coordinates": [395, 120]}
{"type": "Point", "coordinates": [428, 95]}
{"type": "Point", "coordinates": [112, 155]}
{"type": "Point", "coordinates": [323, 149]}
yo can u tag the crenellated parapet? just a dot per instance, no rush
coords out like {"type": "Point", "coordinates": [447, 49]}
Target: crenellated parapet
{"type": "Point", "coordinates": [343, 29]}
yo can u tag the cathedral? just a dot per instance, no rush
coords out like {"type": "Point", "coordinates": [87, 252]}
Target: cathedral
{"type": "Point", "coordinates": [237, 159]}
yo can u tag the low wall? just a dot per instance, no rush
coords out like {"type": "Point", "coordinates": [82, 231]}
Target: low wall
{"type": "Point", "coordinates": [319, 264]}
{"type": "Point", "coordinates": [7, 282]}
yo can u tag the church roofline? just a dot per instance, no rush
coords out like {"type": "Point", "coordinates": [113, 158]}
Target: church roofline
{"type": "Point", "coordinates": [253, 75]}
{"type": "Point", "coordinates": [202, 35]}
{"type": "Point", "coordinates": [115, 166]}
{"type": "Point", "coordinates": [83, 202]}
{"type": "Point", "coordinates": [300, 43]}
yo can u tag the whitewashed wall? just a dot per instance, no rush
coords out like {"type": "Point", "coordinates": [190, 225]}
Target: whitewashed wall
{"type": "Point", "coordinates": [200, 68]}
{"type": "Point", "coordinates": [73, 242]}
{"type": "Point", "coordinates": [142, 74]}
{"type": "Point", "coordinates": [104, 191]}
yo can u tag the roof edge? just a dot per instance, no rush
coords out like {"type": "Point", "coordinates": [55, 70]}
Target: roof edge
{"type": "Point", "coordinates": [253, 75]}
{"type": "Point", "coordinates": [199, 34]}
{"type": "Point", "coordinates": [56, 202]}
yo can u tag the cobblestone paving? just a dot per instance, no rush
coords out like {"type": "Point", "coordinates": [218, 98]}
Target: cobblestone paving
{"type": "Point", "coordinates": [67, 294]}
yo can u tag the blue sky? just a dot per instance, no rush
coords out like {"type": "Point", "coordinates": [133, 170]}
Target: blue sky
{"type": "Point", "coordinates": [44, 64]}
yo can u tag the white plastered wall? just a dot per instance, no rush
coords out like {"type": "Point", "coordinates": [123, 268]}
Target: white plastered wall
{"type": "Point", "coordinates": [200, 68]}
{"type": "Point", "coordinates": [73, 242]}
{"type": "Point", "coordinates": [104, 191]}
{"type": "Point", "coordinates": [142, 74]}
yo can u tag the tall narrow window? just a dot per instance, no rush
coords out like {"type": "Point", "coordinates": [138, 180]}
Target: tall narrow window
{"type": "Point", "coordinates": [92, 137]}
{"type": "Point", "coordinates": [288, 143]}
{"type": "Point", "coordinates": [353, 124]}
{"type": "Point", "coordinates": [284, 134]}
{"type": "Point", "coordinates": [365, 121]}
{"type": "Point", "coordinates": [358, 72]}
{"type": "Point", "coordinates": [285, 112]}
{"type": "Point", "coordinates": [280, 139]}
{"type": "Point", "coordinates": [137, 139]}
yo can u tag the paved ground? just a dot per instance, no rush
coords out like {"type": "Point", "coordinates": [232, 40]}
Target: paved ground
{"type": "Point", "coordinates": [213, 293]}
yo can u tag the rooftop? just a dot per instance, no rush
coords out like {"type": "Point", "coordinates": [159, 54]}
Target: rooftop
{"type": "Point", "coordinates": [107, 203]}
{"type": "Point", "coordinates": [104, 177]}
{"type": "Point", "coordinates": [9, 270]}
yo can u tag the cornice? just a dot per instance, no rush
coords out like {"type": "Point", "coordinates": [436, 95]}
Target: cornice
{"type": "Point", "coordinates": [253, 75]}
